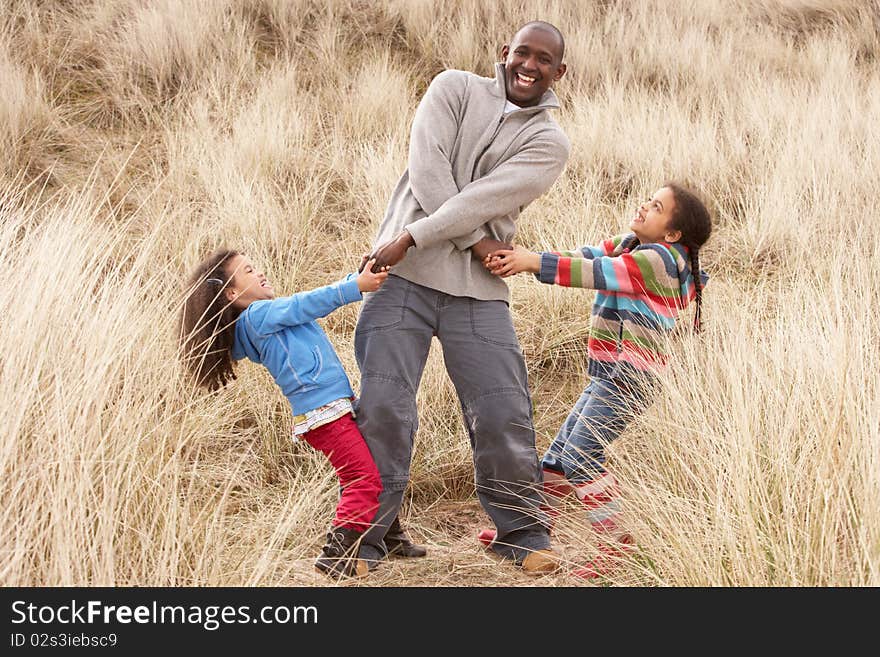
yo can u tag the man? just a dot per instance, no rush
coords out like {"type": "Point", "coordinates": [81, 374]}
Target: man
{"type": "Point", "coordinates": [480, 151]}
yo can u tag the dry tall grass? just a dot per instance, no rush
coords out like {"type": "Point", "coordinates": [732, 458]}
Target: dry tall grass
{"type": "Point", "coordinates": [134, 136]}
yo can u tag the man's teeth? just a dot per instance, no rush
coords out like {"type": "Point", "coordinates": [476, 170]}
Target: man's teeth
{"type": "Point", "coordinates": [525, 78]}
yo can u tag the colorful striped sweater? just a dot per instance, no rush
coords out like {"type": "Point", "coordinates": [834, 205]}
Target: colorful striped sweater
{"type": "Point", "coordinates": [640, 293]}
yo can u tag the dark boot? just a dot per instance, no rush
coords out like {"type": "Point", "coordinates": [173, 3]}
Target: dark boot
{"type": "Point", "coordinates": [398, 543]}
{"type": "Point", "coordinates": [339, 557]}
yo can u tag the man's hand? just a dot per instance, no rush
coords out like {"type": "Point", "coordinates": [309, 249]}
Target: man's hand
{"type": "Point", "coordinates": [486, 246]}
{"type": "Point", "coordinates": [508, 262]}
{"type": "Point", "coordinates": [367, 280]}
{"type": "Point", "coordinates": [392, 251]}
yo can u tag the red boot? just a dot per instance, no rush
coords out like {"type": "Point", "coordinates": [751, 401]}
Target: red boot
{"type": "Point", "coordinates": [605, 563]}
{"type": "Point", "coordinates": [486, 536]}
{"type": "Point", "coordinates": [600, 499]}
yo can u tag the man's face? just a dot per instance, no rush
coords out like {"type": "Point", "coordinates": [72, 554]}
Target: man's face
{"type": "Point", "coordinates": [532, 62]}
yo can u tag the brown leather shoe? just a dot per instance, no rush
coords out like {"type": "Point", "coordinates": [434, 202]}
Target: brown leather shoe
{"type": "Point", "coordinates": [399, 544]}
{"type": "Point", "coordinates": [540, 562]}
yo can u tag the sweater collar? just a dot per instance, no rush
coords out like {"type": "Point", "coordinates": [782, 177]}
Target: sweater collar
{"type": "Point", "coordinates": [548, 100]}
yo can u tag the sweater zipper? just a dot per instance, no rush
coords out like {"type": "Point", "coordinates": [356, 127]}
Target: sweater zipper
{"type": "Point", "coordinates": [488, 144]}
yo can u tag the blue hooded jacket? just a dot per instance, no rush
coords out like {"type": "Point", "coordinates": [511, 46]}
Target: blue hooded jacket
{"type": "Point", "coordinates": [282, 334]}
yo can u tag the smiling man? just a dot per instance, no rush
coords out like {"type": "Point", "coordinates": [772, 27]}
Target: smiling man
{"type": "Point", "coordinates": [481, 149]}
{"type": "Point", "coordinates": [532, 62]}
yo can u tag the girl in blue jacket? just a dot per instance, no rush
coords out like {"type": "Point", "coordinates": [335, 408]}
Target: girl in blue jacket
{"type": "Point", "coordinates": [231, 313]}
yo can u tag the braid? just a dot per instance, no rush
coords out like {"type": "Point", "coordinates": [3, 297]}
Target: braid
{"type": "Point", "coordinates": [698, 285]}
{"type": "Point", "coordinates": [692, 218]}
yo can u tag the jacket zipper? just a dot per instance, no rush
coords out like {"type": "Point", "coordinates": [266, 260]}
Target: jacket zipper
{"type": "Point", "coordinates": [488, 144]}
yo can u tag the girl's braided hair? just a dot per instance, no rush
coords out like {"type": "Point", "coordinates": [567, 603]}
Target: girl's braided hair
{"type": "Point", "coordinates": [207, 323]}
{"type": "Point", "coordinates": [691, 217]}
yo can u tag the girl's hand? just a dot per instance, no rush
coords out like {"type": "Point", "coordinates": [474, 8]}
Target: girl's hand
{"type": "Point", "coordinates": [486, 246]}
{"type": "Point", "coordinates": [368, 281]}
{"type": "Point", "coordinates": [506, 263]}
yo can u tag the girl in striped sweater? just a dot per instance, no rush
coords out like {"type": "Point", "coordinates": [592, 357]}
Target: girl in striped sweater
{"type": "Point", "coordinates": [643, 279]}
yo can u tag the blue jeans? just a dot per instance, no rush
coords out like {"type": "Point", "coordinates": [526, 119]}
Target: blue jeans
{"type": "Point", "coordinates": [600, 415]}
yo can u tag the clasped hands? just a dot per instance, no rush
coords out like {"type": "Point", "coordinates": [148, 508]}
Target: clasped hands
{"type": "Point", "coordinates": [388, 253]}
{"type": "Point", "coordinates": [512, 260]}
{"type": "Point", "coordinates": [498, 257]}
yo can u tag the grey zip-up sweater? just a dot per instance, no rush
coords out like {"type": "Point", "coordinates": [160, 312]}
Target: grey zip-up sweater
{"type": "Point", "coordinates": [472, 170]}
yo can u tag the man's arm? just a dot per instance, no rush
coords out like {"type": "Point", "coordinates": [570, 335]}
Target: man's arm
{"type": "Point", "coordinates": [431, 140]}
{"type": "Point", "coordinates": [510, 186]}
{"type": "Point", "coordinates": [394, 250]}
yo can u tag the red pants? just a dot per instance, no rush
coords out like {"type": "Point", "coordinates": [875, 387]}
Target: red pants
{"type": "Point", "coordinates": [343, 444]}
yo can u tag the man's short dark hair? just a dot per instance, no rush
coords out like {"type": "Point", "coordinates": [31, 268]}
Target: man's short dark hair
{"type": "Point", "coordinates": [549, 27]}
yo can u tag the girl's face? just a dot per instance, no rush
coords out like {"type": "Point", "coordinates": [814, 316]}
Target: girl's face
{"type": "Point", "coordinates": [653, 219]}
{"type": "Point", "coordinates": [246, 284]}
